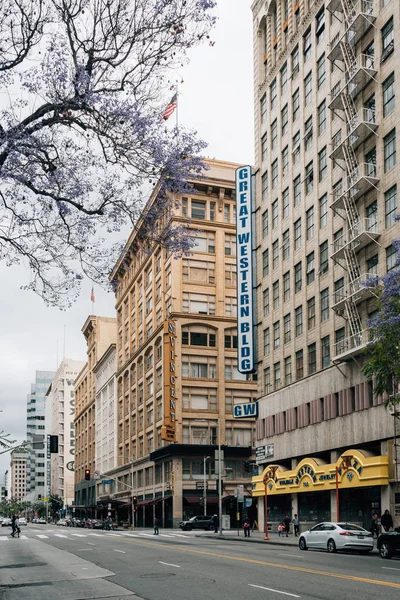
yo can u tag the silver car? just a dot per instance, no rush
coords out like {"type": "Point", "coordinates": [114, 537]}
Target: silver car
{"type": "Point", "coordinates": [337, 536]}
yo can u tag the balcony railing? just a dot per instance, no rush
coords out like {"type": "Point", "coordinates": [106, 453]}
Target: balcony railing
{"type": "Point", "coordinates": [361, 72]}
{"type": "Point", "coordinates": [358, 236]}
{"type": "Point", "coordinates": [361, 126]}
{"type": "Point", "coordinates": [356, 291]}
{"type": "Point", "coordinates": [350, 346]}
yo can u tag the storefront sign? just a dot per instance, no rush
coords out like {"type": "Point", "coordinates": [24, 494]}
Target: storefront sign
{"type": "Point", "coordinates": [263, 452]}
{"type": "Point", "coordinates": [244, 411]}
{"type": "Point", "coordinates": [309, 476]}
{"type": "Point", "coordinates": [168, 429]}
{"type": "Point", "coordinates": [244, 267]}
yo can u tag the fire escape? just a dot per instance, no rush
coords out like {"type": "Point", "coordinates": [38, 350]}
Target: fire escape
{"type": "Point", "coordinates": [357, 17]}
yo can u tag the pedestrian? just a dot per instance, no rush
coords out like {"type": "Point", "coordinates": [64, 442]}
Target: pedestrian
{"type": "Point", "coordinates": [156, 523]}
{"type": "Point", "coordinates": [287, 522]}
{"type": "Point", "coordinates": [281, 529]}
{"type": "Point", "coordinates": [13, 526]}
{"type": "Point", "coordinates": [246, 527]}
{"type": "Point", "coordinates": [17, 529]}
{"type": "Point", "coordinates": [386, 520]}
{"type": "Point", "coordinates": [215, 523]}
{"type": "Point", "coordinates": [296, 525]}
{"type": "Point", "coordinates": [375, 525]}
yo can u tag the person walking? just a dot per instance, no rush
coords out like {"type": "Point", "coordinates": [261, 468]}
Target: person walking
{"type": "Point", "coordinates": [375, 526]}
{"type": "Point", "coordinates": [13, 527]}
{"type": "Point", "coordinates": [286, 522]}
{"type": "Point", "coordinates": [281, 529]}
{"type": "Point", "coordinates": [156, 524]}
{"type": "Point", "coordinates": [17, 528]}
{"type": "Point", "coordinates": [296, 525]}
{"type": "Point", "coordinates": [246, 527]}
{"type": "Point", "coordinates": [215, 523]}
{"type": "Point", "coordinates": [386, 520]}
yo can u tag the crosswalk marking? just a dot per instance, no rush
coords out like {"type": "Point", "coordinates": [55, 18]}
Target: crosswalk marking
{"type": "Point", "coordinates": [78, 534]}
{"type": "Point", "coordinates": [42, 536]}
{"type": "Point", "coordinates": [147, 534]}
{"type": "Point", "coordinates": [23, 537]}
{"type": "Point", "coordinates": [60, 535]}
{"type": "Point", "coordinates": [164, 535]}
{"type": "Point", "coordinates": [3, 538]}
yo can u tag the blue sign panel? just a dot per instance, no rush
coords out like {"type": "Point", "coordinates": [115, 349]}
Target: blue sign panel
{"type": "Point", "coordinates": [106, 481]}
{"type": "Point", "coordinates": [244, 268]}
{"type": "Point", "coordinates": [244, 411]}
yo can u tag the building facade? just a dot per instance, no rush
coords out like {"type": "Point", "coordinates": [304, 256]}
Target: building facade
{"type": "Point", "coordinates": [18, 471]}
{"type": "Point", "coordinates": [106, 412]}
{"type": "Point", "coordinates": [61, 404]}
{"type": "Point", "coordinates": [38, 482]}
{"type": "Point", "coordinates": [326, 75]}
{"type": "Point", "coordinates": [100, 333]}
{"type": "Point", "coordinates": [177, 381]}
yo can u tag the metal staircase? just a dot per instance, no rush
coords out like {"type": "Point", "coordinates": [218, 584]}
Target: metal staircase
{"type": "Point", "coordinates": [358, 17]}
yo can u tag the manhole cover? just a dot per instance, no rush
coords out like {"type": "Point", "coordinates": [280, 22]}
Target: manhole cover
{"type": "Point", "coordinates": [158, 575]}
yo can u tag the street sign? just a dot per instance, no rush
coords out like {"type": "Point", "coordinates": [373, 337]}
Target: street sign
{"type": "Point", "coordinates": [240, 493]}
{"type": "Point", "coordinates": [263, 452]}
{"type": "Point", "coordinates": [45, 499]}
{"type": "Point", "coordinates": [244, 411]}
{"type": "Point", "coordinates": [106, 481]}
{"type": "Point", "coordinates": [248, 502]}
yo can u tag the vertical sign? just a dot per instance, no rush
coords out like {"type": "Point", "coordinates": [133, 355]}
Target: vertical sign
{"type": "Point", "coordinates": [168, 429]}
{"type": "Point", "coordinates": [244, 268]}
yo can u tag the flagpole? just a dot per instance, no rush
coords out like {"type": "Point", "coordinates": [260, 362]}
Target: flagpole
{"type": "Point", "coordinates": [177, 106]}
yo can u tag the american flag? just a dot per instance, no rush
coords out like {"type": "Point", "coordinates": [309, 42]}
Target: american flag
{"type": "Point", "coordinates": [92, 295]}
{"type": "Point", "coordinates": [171, 106]}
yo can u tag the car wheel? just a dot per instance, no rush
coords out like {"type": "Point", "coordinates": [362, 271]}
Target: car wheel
{"type": "Point", "coordinates": [302, 544]}
{"type": "Point", "coordinates": [386, 550]}
{"type": "Point", "coordinates": [189, 527]}
{"type": "Point", "coordinates": [331, 546]}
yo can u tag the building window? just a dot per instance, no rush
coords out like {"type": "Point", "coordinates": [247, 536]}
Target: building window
{"type": "Point", "coordinates": [202, 304]}
{"type": "Point", "coordinates": [308, 88]}
{"type": "Point", "coordinates": [297, 191]}
{"type": "Point", "coordinates": [277, 334]}
{"type": "Point", "coordinates": [323, 211]}
{"type": "Point", "coordinates": [321, 73]}
{"type": "Point", "coordinates": [230, 275]}
{"type": "Point", "coordinates": [325, 304]}
{"type": "Point", "coordinates": [285, 203]}
{"type": "Point", "coordinates": [323, 258]}
{"type": "Point", "coordinates": [299, 365]}
{"type": "Point", "coordinates": [230, 245]}
{"type": "Point", "coordinates": [273, 94]}
{"type": "Point", "coordinates": [296, 148]}
{"type": "Point", "coordinates": [310, 268]}
{"type": "Point", "coordinates": [267, 380]}
{"type": "Point", "coordinates": [296, 104]}
{"type": "Point", "coordinates": [284, 119]}
{"type": "Point", "coordinates": [320, 25]}
{"type": "Point", "coordinates": [325, 352]}
{"type": "Point", "coordinates": [312, 358]}
{"type": "Point", "coordinates": [205, 242]}
{"type": "Point", "coordinates": [288, 370]}
{"type": "Point", "coordinates": [321, 117]}
{"type": "Point", "coordinates": [264, 185]}
{"type": "Point", "coordinates": [340, 336]}
{"type": "Point", "coordinates": [277, 376]}
{"type": "Point", "coordinates": [286, 286]}
{"type": "Point", "coordinates": [285, 161]}
{"type": "Point", "coordinates": [387, 40]}
{"type": "Point", "coordinates": [274, 173]}
{"type": "Point", "coordinates": [205, 370]}
{"type": "Point", "coordinates": [297, 234]}
{"type": "Point", "coordinates": [275, 214]}
{"type": "Point", "coordinates": [295, 62]}
{"type": "Point", "coordinates": [310, 223]}
{"type": "Point", "coordinates": [198, 338]}
{"type": "Point", "coordinates": [265, 260]}
{"type": "Point", "coordinates": [275, 254]}
{"type": "Point", "coordinates": [275, 294]}
{"type": "Point", "coordinates": [266, 302]}
{"type": "Point", "coordinates": [286, 328]}
{"type": "Point", "coordinates": [284, 79]}
{"type": "Point", "coordinates": [389, 150]}
{"type": "Point", "coordinates": [372, 265]}
{"type": "Point", "coordinates": [265, 223]}
{"type": "Point", "coordinates": [311, 313]}
{"type": "Point", "coordinates": [388, 95]}
{"type": "Point", "coordinates": [308, 134]}
{"type": "Point", "coordinates": [267, 342]}
{"type": "Point", "coordinates": [391, 206]}
{"type": "Point", "coordinates": [307, 48]}
{"type": "Point", "coordinates": [309, 178]}
{"type": "Point", "coordinates": [198, 210]}
{"type": "Point", "coordinates": [264, 147]}
{"type": "Point", "coordinates": [322, 164]}
{"type": "Point", "coordinates": [391, 258]}
{"type": "Point", "coordinates": [371, 212]}
{"type": "Point", "coordinates": [285, 245]}
{"type": "Point", "coordinates": [274, 134]}
{"type": "Point", "coordinates": [298, 279]}
{"type": "Point", "coordinates": [263, 107]}
{"type": "Point", "coordinates": [299, 320]}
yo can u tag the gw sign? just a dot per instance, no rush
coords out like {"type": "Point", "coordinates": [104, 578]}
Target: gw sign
{"type": "Point", "coordinates": [244, 411]}
{"type": "Point", "coordinates": [244, 268]}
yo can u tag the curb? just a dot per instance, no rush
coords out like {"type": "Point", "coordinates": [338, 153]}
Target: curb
{"type": "Point", "coordinates": [248, 541]}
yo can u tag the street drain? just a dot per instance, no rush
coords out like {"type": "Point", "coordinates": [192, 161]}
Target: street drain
{"type": "Point", "coordinates": [21, 565]}
{"type": "Point", "coordinates": [158, 575]}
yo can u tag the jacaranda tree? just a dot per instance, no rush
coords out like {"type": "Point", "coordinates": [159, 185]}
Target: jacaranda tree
{"type": "Point", "coordinates": [83, 84]}
{"type": "Point", "coordinates": [383, 353]}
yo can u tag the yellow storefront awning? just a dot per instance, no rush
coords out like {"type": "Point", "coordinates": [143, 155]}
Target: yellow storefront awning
{"type": "Point", "coordinates": [357, 470]}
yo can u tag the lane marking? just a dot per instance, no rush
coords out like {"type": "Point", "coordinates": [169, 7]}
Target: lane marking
{"type": "Point", "coordinates": [90, 544]}
{"type": "Point", "coordinates": [78, 534]}
{"type": "Point", "coordinates": [114, 534]}
{"type": "Point", "coordinates": [390, 568]}
{"type": "Point", "coordinates": [169, 564]}
{"type": "Point", "coordinates": [60, 535]}
{"type": "Point", "coordinates": [293, 556]}
{"type": "Point", "coordinates": [121, 551]}
{"type": "Point", "coordinates": [164, 535]}
{"type": "Point", "coordinates": [179, 535]}
{"type": "Point", "coordinates": [42, 536]}
{"type": "Point", "coordinates": [131, 535]}
{"type": "Point", "coordinates": [147, 534]}
{"type": "Point", "coordinates": [96, 534]}
{"type": "Point", "coordinates": [271, 590]}
{"type": "Point", "coordinates": [268, 564]}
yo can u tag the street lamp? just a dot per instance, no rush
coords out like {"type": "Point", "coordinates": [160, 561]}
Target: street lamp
{"type": "Point", "coordinates": [269, 475]}
{"type": "Point", "coordinates": [205, 485]}
{"type": "Point", "coordinates": [345, 464]}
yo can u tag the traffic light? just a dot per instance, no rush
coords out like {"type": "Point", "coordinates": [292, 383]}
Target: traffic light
{"type": "Point", "coordinates": [134, 501]}
{"type": "Point", "coordinates": [39, 496]}
{"type": "Point", "coordinates": [87, 474]}
{"type": "Point", "coordinates": [53, 444]}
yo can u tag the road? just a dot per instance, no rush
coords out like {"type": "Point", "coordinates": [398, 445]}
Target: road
{"type": "Point", "coordinates": [72, 564]}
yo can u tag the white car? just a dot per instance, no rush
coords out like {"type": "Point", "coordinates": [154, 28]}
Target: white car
{"type": "Point", "coordinates": [42, 521]}
{"type": "Point", "coordinates": [22, 521]}
{"type": "Point", "coordinates": [337, 536]}
{"type": "Point", "coordinates": [6, 521]}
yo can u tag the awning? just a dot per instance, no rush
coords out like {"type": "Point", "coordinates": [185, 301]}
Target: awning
{"type": "Point", "coordinates": [145, 502]}
{"type": "Point", "coordinates": [192, 499]}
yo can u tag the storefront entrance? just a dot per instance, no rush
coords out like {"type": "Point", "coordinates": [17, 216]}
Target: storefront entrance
{"type": "Point", "coordinates": [359, 504]}
{"type": "Point", "coordinates": [314, 506]}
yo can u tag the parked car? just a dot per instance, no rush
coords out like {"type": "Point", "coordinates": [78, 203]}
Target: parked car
{"type": "Point", "coordinates": [62, 523]}
{"type": "Point", "coordinates": [77, 523]}
{"type": "Point", "coordinates": [337, 536]}
{"type": "Point", "coordinates": [389, 543]}
{"type": "Point", "coordinates": [6, 521]}
{"type": "Point", "coordinates": [97, 524]}
{"type": "Point", "coordinates": [23, 521]}
{"type": "Point", "coordinates": [198, 522]}
{"type": "Point", "coordinates": [42, 521]}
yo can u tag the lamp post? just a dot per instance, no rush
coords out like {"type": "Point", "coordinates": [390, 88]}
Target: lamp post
{"type": "Point", "coordinates": [219, 478]}
{"type": "Point", "coordinates": [133, 510]}
{"type": "Point", "coordinates": [345, 464]}
{"type": "Point", "coordinates": [205, 485]}
{"type": "Point", "coordinates": [268, 475]}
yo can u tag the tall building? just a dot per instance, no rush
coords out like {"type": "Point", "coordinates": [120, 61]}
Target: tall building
{"type": "Point", "coordinates": [326, 76]}
{"type": "Point", "coordinates": [18, 469]}
{"type": "Point", "coordinates": [100, 333]}
{"type": "Point", "coordinates": [38, 482]}
{"type": "Point", "coordinates": [61, 410]}
{"type": "Point", "coordinates": [177, 381]}
{"type": "Point", "coordinates": [106, 412]}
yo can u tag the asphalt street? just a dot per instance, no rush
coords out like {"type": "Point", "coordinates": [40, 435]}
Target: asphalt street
{"type": "Point", "coordinates": [75, 564]}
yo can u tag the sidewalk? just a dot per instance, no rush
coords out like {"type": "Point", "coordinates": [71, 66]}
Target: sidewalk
{"type": "Point", "coordinates": [257, 537]}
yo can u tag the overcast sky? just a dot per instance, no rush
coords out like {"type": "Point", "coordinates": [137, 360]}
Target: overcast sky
{"type": "Point", "coordinates": [216, 99]}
